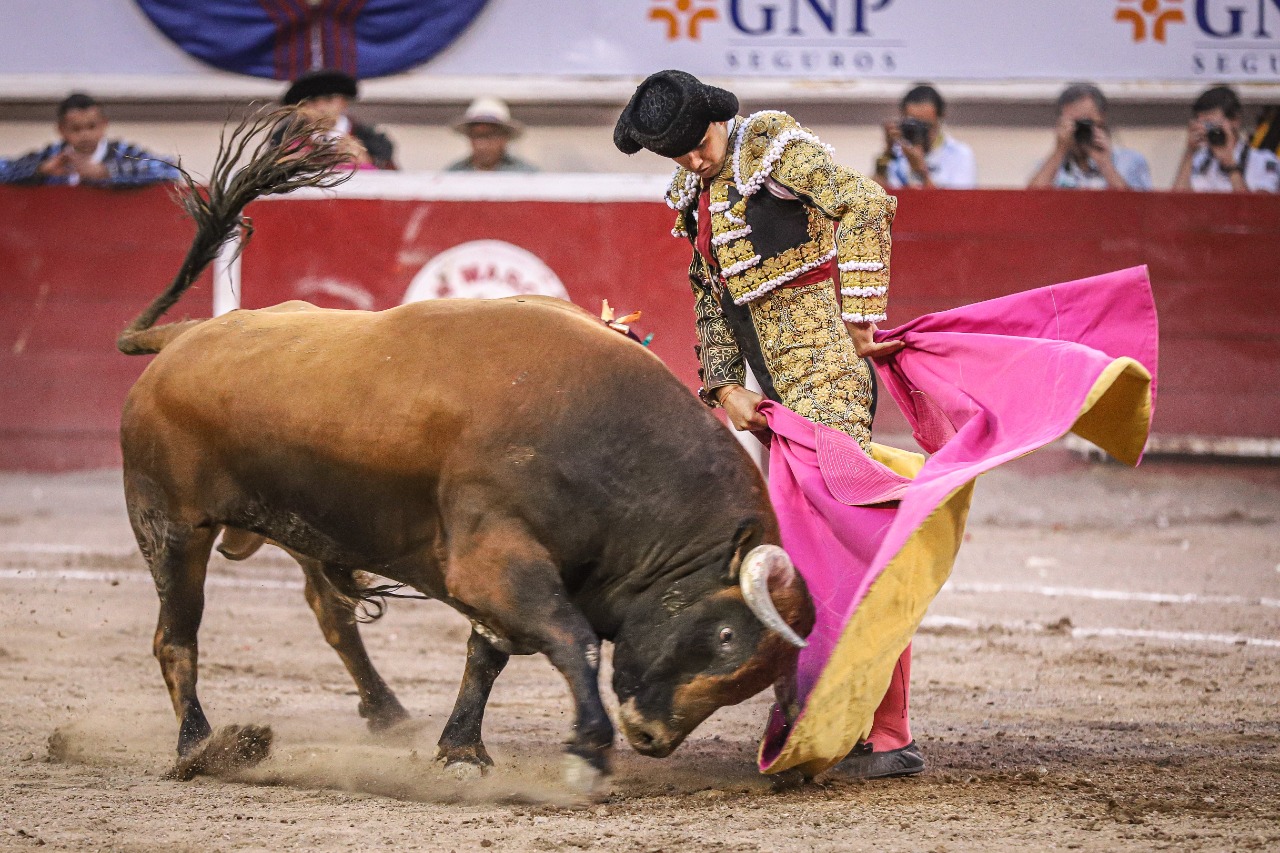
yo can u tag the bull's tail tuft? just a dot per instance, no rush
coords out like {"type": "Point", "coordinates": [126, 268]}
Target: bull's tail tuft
{"type": "Point", "coordinates": [271, 151]}
{"type": "Point", "coordinates": [359, 591]}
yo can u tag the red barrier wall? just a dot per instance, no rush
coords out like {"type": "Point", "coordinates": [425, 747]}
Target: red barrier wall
{"type": "Point", "coordinates": [77, 265]}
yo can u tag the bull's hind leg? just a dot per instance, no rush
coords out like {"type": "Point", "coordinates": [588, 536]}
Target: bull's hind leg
{"type": "Point", "coordinates": [179, 556]}
{"type": "Point", "coordinates": [460, 743]}
{"type": "Point", "coordinates": [378, 704]}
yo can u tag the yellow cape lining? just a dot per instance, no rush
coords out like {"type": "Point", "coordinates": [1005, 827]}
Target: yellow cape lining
{"type": "Point", "coordinates": [1115, 415]}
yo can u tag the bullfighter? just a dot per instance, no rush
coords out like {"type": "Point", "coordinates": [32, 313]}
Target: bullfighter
{"type": "Point", "coordinates": [790, 274]}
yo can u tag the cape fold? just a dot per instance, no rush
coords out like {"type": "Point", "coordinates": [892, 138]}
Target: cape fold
{"type": "Point", "coordinates": [875, 536]}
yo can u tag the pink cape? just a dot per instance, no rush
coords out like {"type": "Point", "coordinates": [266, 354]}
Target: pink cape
{"type": "Point", "coordinates": [875, 536]}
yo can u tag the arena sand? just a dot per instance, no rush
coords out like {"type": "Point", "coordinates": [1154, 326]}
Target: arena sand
{"type": "Point", "coordinates": [1102, 673]}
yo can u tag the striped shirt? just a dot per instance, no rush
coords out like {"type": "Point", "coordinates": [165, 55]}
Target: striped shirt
{"type": "Point", "coordinates": [127, 166]}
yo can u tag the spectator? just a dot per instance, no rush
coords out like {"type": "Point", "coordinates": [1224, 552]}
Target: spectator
{"type": "Point", "coordinates": [85, 155]}
{"type": "Point", "coordinates": [488, 124]}
{"type": "Point", "coordinates": [324, 97]}
{"type": "Point", "coordinates": [918, 153]}
{"type": "Point", "coordinates": [1218, 158]}
{"type": "Point", "coordinates": [1083, 154]}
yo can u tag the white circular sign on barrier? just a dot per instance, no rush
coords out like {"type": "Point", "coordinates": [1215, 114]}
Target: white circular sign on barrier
{"type": "Point", "coordinates": [484, 269]}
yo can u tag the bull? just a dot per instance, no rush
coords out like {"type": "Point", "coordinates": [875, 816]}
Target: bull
{"type": "Point", "coordinates": [516, 459]}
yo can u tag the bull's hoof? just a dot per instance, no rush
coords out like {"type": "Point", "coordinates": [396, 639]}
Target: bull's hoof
{"type": "Point", "coordinates": [584, 778]}
{"type": "Point", "coordinates": [385, 716]}
{"type": "Point", "coordinates": [789, 780]}
{"type": "Point", "coordinates": [231, 748]}
{"type": "Point", "coordinates": [192, 734]}
{"type": "Point", "coordinates": [466, 772]}
{"type": "Point", "coordinates": [465, 762]}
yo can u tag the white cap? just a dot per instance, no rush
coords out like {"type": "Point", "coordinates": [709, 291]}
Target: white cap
{"type": "Point", "coordinates": [489, 111]}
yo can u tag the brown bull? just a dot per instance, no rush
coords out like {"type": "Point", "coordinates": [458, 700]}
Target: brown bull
{"type": "Point", "coordinates": [516, 459]}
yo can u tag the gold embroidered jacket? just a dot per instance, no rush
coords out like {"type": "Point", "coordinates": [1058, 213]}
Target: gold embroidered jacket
{"type": "Point", "coordinates": [780, 208]}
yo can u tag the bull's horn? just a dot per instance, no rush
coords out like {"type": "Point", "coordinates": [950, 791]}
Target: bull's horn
{"type": "Point", "coordinates": [761, 564]}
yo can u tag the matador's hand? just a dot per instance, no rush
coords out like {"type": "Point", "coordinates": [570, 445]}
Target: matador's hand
{"type": "Point", "coordinates": [740, 405]}
{"type": "Point", "coordinates": [864, 341]}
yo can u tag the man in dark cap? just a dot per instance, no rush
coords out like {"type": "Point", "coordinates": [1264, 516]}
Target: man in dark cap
{"type": "Point", "coordinates": [324, 96]}
{"type": "Point", "coordinates": [790, 274]}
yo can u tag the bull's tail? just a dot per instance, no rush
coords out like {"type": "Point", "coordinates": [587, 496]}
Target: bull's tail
{"type": "Point", "coordinates": [360, 591]}
{"type": "Point", "coordinates": [145, 341]}
{"type": "Point", "coordinates": [271, 151]}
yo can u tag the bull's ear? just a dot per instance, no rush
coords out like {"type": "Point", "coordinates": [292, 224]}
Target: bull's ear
{"type": "Point", "coordinates": [748, 536]}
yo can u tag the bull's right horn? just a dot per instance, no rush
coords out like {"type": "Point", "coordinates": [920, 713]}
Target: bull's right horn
{"type": "Point", "coordinates": [761, 564]}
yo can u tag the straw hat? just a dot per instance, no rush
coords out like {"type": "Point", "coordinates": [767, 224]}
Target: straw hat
{"type": "Point", "coordinates": [489, 111]}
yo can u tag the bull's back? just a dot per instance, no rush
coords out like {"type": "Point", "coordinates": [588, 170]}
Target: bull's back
{"type": "Point", "coordinates": [397, 389]}
{"type": "Point", "coordinates": [312, 371]}
{"type": "Point", "coordinates": [285, 421]}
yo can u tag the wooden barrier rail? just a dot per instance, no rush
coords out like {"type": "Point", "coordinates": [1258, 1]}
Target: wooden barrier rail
{"type": "Point", "coordinates": [77, 264]}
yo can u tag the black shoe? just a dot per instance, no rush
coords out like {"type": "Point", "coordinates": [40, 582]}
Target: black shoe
{"type": "Point", "coordinates": [862, 763]}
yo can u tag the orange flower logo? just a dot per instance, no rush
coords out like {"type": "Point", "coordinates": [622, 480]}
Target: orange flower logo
{"type": "Point", "coordinates": [1150, 17]}
{"type": "Point", "coordinates": [684, 18]}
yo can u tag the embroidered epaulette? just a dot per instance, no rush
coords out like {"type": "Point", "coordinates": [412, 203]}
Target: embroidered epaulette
{"type": "Point", "coordinates": [759, 143]}
{"type": "Point", "coordinates": [682, 190]}
{"type": "Point", "coordinates": [681, 193]}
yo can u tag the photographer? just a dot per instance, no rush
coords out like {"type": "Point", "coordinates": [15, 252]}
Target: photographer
{"type": "Point", "coordinates": [1083, 155]}
{"type": "Point", "coordinates": [916, 151]}
{"type": "Point", "coordinates": [1218, 158]}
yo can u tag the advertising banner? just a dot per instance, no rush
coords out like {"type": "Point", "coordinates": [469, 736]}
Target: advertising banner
{"type": "Point", "coordinates": [1151, 41]}
{"type": "Point", "coordinates": [1132, 40]}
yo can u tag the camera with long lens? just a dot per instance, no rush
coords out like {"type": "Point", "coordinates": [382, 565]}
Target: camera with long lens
{"type": "Point", "coordinates": [1083, 133]}
{"type": "Point", "coordinates": [1215, 135]}
{"type": "Point", "coordinates": [914, 131]}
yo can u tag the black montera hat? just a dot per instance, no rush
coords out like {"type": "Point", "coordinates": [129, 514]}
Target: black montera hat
{"type": "Point", "coordinates": [315, 84]}
{"type": "Point", "coordinates": [669, 114]}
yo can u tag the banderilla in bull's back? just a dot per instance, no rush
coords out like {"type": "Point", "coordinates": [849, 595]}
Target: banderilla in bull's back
{"type": "Point", "coordinates": [517, 459]}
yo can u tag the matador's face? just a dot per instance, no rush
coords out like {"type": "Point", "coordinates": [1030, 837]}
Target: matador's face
{"type": "Point", "coordinates": [707, 159]}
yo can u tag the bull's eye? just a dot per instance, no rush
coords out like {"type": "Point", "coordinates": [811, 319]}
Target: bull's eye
{"type": "Point", "coordinates": [726, 636]}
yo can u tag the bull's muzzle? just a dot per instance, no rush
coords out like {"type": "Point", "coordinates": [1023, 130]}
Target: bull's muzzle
{"type": "Point", "coordinates": [653, 738]}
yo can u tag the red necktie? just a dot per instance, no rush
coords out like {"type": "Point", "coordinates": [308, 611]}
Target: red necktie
{"type": "Point", "coordinates": [704, 228]}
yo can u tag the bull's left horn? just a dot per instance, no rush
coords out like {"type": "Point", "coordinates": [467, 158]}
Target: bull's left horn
{"type": "Point", "coordinates": [761, 564]}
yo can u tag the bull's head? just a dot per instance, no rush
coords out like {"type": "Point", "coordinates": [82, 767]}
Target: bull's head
{"type": "Point", "coordinates": [711, 639]}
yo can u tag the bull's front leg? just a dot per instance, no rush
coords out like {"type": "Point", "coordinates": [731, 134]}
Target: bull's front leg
{"type": "Point", "coordinates": [461, 746]}
{"type": "Point", "coordinates": [508, 582]}
{"type": "Point", "coordinates": [574, 649]}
